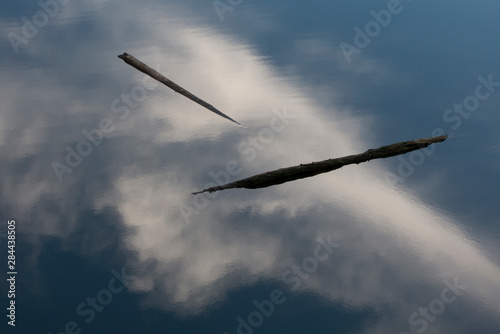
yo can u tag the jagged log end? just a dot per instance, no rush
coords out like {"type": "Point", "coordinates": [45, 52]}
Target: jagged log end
{"type": "Point", "coordinates": [440, 139]}
{"type": "Point", "coordinates": [123, 56]}
{"type": "Point", "coordinates": [425, 142]}
{"type": "Point", "coordinates": [198, 192]}
{"type": "Point", "coordinates": [434, 140]}
{"type": "Point", "coordinates": [209, 190]}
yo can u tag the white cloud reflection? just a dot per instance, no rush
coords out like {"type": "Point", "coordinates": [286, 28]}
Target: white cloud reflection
{"type": "Point", "coordinates": [242, 236]}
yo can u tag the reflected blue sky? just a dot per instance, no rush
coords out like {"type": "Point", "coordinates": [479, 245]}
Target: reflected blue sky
{"type": "Point", "coordinates": [358, 250]}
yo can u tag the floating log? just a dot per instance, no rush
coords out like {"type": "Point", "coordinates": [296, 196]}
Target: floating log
{"type": "Point", "coordinates": [288, 174]}
{"type": "Point", "coordinates": [134, 62]}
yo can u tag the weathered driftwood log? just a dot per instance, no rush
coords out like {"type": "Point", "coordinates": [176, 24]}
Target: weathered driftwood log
{"type": "Point", "coordinates": [314, 168]}
{"type": "Point", "coordinates": [134, 62]}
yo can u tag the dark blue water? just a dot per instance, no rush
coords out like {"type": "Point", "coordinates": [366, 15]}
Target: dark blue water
{"type": "Point", "coordinates": [98, 163]}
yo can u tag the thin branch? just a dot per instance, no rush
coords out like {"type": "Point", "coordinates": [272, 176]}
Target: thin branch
{"type": "Point", "coordinates": [134, 62]}
{"type": "Point", "coordinates": [314, 168]}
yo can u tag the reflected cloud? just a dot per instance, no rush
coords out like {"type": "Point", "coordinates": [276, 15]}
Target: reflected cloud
{"type": "Point", "coordinates": [392, 241]}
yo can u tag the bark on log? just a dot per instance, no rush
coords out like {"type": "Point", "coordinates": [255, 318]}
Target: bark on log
{"type": "Point", "coordinates": [134, 62]}
{"type": "Point", "coordinates": [314, 168]}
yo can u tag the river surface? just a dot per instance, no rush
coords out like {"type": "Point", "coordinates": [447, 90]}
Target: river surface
{"type": "Point", "coordinates": [98, 163]}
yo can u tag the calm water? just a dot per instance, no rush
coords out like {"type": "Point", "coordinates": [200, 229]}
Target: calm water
{"type": "Point", "coordinates": [98, 163]}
